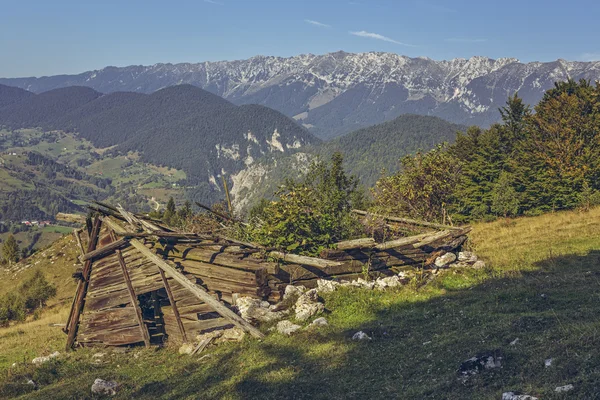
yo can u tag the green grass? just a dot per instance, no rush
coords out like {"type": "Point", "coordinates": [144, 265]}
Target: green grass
{"type": "Point", "coordinates": [58, 229]}
{"type": "Point", "coordinates": [542, 287]}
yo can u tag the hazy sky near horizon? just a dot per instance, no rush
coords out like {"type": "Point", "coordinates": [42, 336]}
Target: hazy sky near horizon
{"type": "Point", "coordinates": [41, 37]}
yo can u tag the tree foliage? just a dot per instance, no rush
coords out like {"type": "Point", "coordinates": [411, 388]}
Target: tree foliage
{"type": "Point", "coordinates": [10, 250]}
{"type": "Point", "coordinates": [529, 164]}
{"type": "Point", "coordinates": [423, 188]}
{"type": "Point", "coordinates": [310, 213]}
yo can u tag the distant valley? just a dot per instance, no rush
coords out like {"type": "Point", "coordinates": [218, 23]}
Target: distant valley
{"type": "Point", "coordinates": [67, 146]}
{"type": "Point", "coordinates": [336, 93]}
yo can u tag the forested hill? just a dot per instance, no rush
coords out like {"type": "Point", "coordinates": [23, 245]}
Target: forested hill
{"type": "Point", "coordinates": [369, 150]}
{"type": "Point", "coordinates": [11, 95]}
{"type": "Point", "coordinates": [43, 109]}
{"type": "Point", "coordinates": [180, 126]}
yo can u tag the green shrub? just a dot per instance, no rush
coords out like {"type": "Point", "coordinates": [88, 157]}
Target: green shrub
{"type": "Point", "coordinates": [36, 291]}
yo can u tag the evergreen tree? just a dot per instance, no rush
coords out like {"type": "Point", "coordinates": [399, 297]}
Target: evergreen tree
{"type": "Point", "coordinates": [514, 116]}
{"type": "Point", "coordinates": [170, 213]}
{"type": "Point", "coordinates": [505, 200]}
{"type": "Point", "coordinates": [10, 250]}
{"type": "Point", "coordinates": [36, 291]}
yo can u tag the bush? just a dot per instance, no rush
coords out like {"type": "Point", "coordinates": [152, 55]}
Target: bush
{"type": "Point", "coordinates": [36, 291]}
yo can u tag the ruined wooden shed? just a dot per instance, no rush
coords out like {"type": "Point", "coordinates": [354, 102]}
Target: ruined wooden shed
{"type": "Point", "coordinates": [143, 282]}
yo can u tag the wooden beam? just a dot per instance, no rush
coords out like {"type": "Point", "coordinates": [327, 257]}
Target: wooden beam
{"type": "Point", "coordinates": [304, 260]}
{"type": "Point", "coordinates": [73, 319]}
{"type": "Point", "coordinates": [229, 207]}
{"type": "Point", "coordinates": [363, 243]}
{"type": "Point", "coordinates": [196, 290]}
{"type": "Point", "coordinates": [407, 220]}
{"type": "Point", "coordinates": [133, 298]}
{"type": "Point", "coordinates": [103, 251]}
{"type": "Point", "coordinates": [173, 305]}
{"type": "Point", "coordinates": [402, 241]}
{"type": "Point", "coordinates": [76, 233]}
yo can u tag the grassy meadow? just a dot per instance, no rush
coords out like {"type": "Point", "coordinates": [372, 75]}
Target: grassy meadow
{"type": "Point", "coordinates": [541, 286]}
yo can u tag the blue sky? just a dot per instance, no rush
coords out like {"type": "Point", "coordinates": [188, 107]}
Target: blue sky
{"type": "Point", "coordinates": [70, 36]}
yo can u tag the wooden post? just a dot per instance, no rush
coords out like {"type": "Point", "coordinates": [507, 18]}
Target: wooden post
{"type": "Point", "coordinates": [133, 297]}
{"type": "Point", "coordinates": [196, 290]}
{"type": "Point", "coordinates": [173, 305]}
{"type": "Point", "coordinates": [103, 251]}
{"type": "Point", "coordinates": [73, 320]}
{"type": "Point", "coordinates": [227, 195]}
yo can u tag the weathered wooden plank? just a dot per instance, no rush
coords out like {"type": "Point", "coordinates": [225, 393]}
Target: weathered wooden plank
{"type": "Point", "coordinates": [173, 304]}
{"type": "Point", "coordinates": [201, 269]}
{"type": "Point", "coordinates": [304, 260]}
{"type": "Point", "coordinates": [363, 243]}
{"type": "Point", "coordinates": [117, 337]}
{"type": "Point", "coordinates": [101, 252]}
{"type": "Point", "coordinates": [73, 319]}
{"type": "Point", "coordinates": [134, 300]}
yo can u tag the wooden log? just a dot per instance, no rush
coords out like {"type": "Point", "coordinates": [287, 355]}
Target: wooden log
{"type": "Point", "coordinates": [401, 242]}
{"type": "Point", "coordinates": [193, 288]}
{"type": "Point", "coordinates": [363, 243]}
{"type": "Point", "coordinates": [440, 236]}
{"type": "Point", "coordinates": [407, 220]}
{"type": "Point", "coordinates": [304, 260]}
{"type": "Point", "coordinates": [103, 251]}
{"type": "Point", "coordinates": [207, 270]}
{"type": "Point", "coordinates": [73, 319]}
{"type": "Point", "coordinates": [181, 254]}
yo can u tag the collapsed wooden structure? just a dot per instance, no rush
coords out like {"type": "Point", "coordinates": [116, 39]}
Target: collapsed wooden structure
{"type": "Point", "coordinates": [143, 282]}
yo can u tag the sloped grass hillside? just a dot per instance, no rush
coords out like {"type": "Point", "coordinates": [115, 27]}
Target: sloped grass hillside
{"type": "Point", "coordinates": [537, 300]}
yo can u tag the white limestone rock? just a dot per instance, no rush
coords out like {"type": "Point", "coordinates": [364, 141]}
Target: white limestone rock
{"type": "Point", "coordinates": [325, 286]}
{"type": "Point", "coordinates": [286, 327]}
{"type": "Point", "coordinates": [360, 335]}
{"type": "Point", "coordinates": [467, 256]}
{"type": "Point", "coordinates": [445, 260]}
{"type": "Point", "coordinates": [41, 360]}
{"type": "Point", "coordinates": [517, 396]}
{"type": "Point", "coordinates": [254, 310]}
{"type": "Point", "coordinates": [308, 305]}
{"type": "Point", "coordinates": [563, 389]}
{"type": "Point", "coordinates": [101, 386]}
{"type": "Point", "coordinates": [321, 321]}
{"type": "Point", "coordinates": [479, 264]}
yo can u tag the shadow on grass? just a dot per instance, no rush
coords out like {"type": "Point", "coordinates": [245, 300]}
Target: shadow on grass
{"type": "Point", "coordinates": [417, 347]}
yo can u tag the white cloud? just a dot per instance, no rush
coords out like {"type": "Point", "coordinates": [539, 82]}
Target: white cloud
{"type": "Point", "coordinates": [317, 23]}
{"type": "Point", "coordinates": [466, 40]}
{"type": "Point", "coordinates": [214, 2]}
{"type": "Point", "coordinates": [377, 36]}
{"type": "Point", "coordinates": [590, 57]}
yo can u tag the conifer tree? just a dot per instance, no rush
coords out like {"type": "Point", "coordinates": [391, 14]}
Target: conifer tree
{"type": "Point", "coordinates": [10, 250]}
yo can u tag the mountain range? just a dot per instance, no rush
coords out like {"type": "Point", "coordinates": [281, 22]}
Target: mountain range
{"type": "Point", "coordinates": [336, 93]}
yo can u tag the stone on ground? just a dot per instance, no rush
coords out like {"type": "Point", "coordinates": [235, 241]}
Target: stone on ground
{"type": "Point", "coordinates": [293, 292]}
{"type": "Point", "coordinates": [445, 260]}
{"type": "Point", "coordinates": [467, 256]}
{"type": "Point", "coordinates": [187, 348]}
{"type": "Point", "coordinates": [566, 388]}
{"type": "Point", "coordinates": [360, 335]}
{"type": "Point", "coordinates": [477, 364]}
{"type": "Point", "coordinates": [286, 327]}
{"type": "Point", "coordinates": [101, 386]}
{"type": "Point", "coordinates": [41, 360]}
{"type": "Point", "coordinates": [308, 305]}
{"type": "Point", "coordinates": [388, 281]}
{"type": "Point", "coordinates": [325, 286]}
{"type": "Point", "coordinates": [321, 321]}
{"type": "Point", "coordinates": [255, 310]}
{"type": "Point", "coordinates": [517, 396]}
{"type": "Point", "coordinates": [479, 264]}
